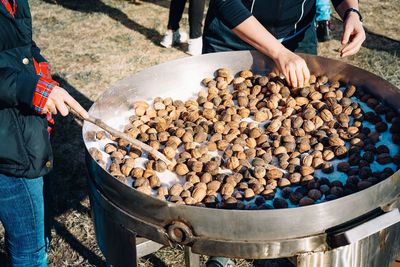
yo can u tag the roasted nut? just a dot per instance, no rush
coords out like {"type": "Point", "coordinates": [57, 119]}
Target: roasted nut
{"type": "Point", "coordinates": [154, 181]}
{"type": "Point", "coordinates": [306, 170]}
{"type": "Point", "coordinates": [110, 148]}
{"type": "Point", "coordinates": [141, 181]}
{"type": "Point", "coordinates": [248, 194]}
{"type": "Point", "coordinates": [326, 115]}
{"type": "Point", "coordinates": [199, 194]}
{"type": "Point", "coordinates": [283, 182]}
{"type": "Point", "coordinates": [274, 126]}
{"type": "Point", "coordinates": [336, 141]}
{"type": "Point", "coordinates": [175, 190]}
{"type": "Point", "coordinates": [274, 174]}
{"type": "Point", "coordinates": [181, 169]}
{"type": "Point", "coordinates": [227, 189]}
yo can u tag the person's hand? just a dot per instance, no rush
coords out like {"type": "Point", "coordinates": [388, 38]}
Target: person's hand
{"type": "Point", "coordinates": [353, 35]}
{"type": "Point", "coordinates": [293, 67]}
{"type": "Point", "coordinates": [59, 100]}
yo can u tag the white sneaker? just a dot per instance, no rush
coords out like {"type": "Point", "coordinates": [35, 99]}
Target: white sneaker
{"type": "Point", "coordinates": [173, 37]}
{"type": "Point", "coordinates": [195, 46]}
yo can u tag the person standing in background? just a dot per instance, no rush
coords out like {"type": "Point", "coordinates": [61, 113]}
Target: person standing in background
{"type": "Point", "coordinates": [174, 36]}
{"type": "Point", "coordinates": [323, 20]}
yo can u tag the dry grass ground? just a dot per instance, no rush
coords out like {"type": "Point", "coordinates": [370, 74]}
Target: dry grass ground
{"type": "Point", "coordinates": [93, 43]}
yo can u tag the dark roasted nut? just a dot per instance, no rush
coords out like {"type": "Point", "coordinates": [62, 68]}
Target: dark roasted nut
{"type": "Point", "coordinates": [384, 158]}
{"type": "Point", "coordinates": [280, 203]}
{"type": "Point", "coordinates": [325, 189]}
{"type": "Point", "coordinates": [382, 149]}
{"type": "Point", "coordinates": [361, 185]}
{"type": "Point", "coordinates": [305, 201]}
{"type": "Point", "coordinates": [343, 167]}
{"type": "Point", "coordinates": [381, 127]}
{"type": "Point", "coordinates": [354, 159]}
{"type": "Point", "coordinates": [337, 191]}
{"type": "Point", "coordinates": [314, 194]}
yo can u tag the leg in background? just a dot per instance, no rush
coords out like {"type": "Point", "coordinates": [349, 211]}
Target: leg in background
{"type": "Point", "coordinates": [196, 13]}
{"type": "Point", "coordinates": [173, 35]}
{"type": "Point", "coordinates": [323, 20]}
{"type": "Point", "coordinates": [175, 14]}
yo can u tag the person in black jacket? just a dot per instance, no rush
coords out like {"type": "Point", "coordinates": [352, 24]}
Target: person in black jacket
{"type": "Point", "coordinates": [277, 28]}
{"type": "Point", "coordinates": [28, 97]}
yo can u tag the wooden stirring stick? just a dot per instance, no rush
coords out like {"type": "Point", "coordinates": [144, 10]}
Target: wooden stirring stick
{"type": "Point", "coordinates": [116, 133]}
{"type": "Point", "coordinates": [140, 144]}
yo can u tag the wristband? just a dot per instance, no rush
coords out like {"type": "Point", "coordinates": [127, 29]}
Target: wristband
{"type": "Point", "coordinates": [347, 12]}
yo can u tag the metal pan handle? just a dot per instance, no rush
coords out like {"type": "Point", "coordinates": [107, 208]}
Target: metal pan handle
{"type": "Point", "coordinates": [365, 229]}
{"type": "Point", "coordinates": [375, 225]}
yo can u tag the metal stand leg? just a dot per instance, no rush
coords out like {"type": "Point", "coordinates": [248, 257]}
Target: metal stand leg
{"type": "Point", "coordinates": [191, 259]}
{"type": "Point", "coordinates": [126, 254]}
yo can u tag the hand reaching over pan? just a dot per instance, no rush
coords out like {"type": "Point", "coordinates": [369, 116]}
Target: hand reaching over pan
{"type": "Point", "coordinates": [353, 35]}
{"type": "Point", "coordinates": [293, 67]}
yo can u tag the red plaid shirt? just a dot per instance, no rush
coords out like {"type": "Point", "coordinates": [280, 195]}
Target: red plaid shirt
{"type": "Point", "coordinates": [45, 84]}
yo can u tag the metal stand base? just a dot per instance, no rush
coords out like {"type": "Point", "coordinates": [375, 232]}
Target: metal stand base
{"type": "Point", "coordinates": [368, 244]}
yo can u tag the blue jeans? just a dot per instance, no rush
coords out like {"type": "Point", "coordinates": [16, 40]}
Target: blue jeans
{"type": "Point", "coordinates": [22, 215]}
{"type": "Point", "coordinates": [323, 10]}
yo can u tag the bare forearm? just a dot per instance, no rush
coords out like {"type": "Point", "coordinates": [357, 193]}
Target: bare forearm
{"type": "Point", "coordinates": [346, 4]}
{"type": "Point", "coordinates": [252, 32]}
{"type": "Point", "coordinates": [291, 65]}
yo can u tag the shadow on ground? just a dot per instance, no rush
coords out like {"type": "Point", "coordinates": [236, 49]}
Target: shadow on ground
{"type": "Point", "coordinates": [66, 185]}
{"type": "Point", "coordinates": [97, 6]}
{"type": "Point", "coordinates": [161, 3]}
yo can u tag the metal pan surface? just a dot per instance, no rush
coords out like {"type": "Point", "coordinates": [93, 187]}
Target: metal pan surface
{"type": "Point", "coordinates": [184, 76]}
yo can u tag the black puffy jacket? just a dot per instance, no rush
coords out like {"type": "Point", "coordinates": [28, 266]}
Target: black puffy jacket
{"type": "Point", "coordinates": [25, 149]}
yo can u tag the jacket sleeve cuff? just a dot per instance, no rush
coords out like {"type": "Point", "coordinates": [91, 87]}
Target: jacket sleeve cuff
{"type": "Point", "coordinates": [41, 94]}
{"type": "Point", "coordinates": [232, 12]}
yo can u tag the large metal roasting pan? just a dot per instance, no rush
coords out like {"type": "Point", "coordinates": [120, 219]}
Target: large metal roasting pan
{"type": "Point", "coordinates": [201, 226]}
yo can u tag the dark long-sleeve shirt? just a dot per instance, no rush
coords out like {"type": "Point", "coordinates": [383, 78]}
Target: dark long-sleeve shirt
{"type": "Point", "coordinates": [281, 17]}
